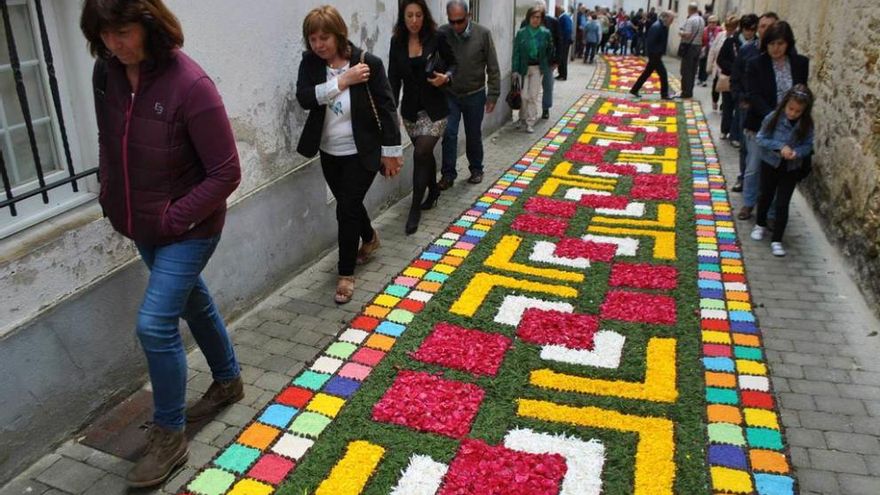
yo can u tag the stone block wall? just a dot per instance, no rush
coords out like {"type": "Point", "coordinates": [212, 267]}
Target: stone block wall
{"type": "Point", "coordinates": [842, 39]}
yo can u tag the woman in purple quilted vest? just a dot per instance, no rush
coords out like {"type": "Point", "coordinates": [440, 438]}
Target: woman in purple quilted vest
{"type": "Point", "coordinates": [167, 164]}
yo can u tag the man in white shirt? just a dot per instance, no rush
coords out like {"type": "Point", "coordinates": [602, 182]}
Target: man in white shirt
{"type": "Point", "coordinates": [691, 33]}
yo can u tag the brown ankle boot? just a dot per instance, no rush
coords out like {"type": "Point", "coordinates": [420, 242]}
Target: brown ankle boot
{"type": "Point", "coordinates": [218, 396]}
{"type": "Point", "coordinates": [166, 451]}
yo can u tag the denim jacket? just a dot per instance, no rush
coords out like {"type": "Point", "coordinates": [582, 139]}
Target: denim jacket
{"type": "Point", "coordinates": [769, 145]}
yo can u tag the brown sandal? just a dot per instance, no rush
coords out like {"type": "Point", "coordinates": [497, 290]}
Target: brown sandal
{"type": "Point", "coordinates": [367, 249]}
{"type": "Point", "coordinates": [745, 213]}
{"type": "Point", "coordinates": [344, 290]}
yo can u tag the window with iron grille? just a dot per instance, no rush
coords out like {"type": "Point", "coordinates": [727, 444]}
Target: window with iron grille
{"type": "Point", "coordinates": [39, 178]}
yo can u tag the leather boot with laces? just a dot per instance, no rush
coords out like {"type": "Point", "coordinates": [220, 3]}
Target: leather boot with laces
{"type": "Point", "coordinates": [218, 396]}
{"type": "Point", "coordinates": [166, 451]}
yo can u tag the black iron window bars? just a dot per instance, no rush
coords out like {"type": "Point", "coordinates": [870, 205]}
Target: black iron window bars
{"type": "Point", "coordinates": [21, 91]}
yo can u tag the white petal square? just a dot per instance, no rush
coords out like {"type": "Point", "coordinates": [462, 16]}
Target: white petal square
{"type": "Point", "coordinates": [420, 296]}
{"type": "Point", "coordinates": [626, 246]}
{"type": "Point", "coordinates": [292, 446]}
{"type": "Point", "coordinates": [513, 307]}
{"type": "Point", "coordinates": [543, 253]}
{"type": "Point", "coordinates": [422, 476]}
{"type": "Point", "coordinates": [758, 383]}
{"type": "Point", "coordinates": [634, 209]}
{"type": "Point", "coordinates": [606, 353]}
{"type": "Point", "coordinates": [353, 336]}
{"type": "Point", "coordinates": [584, 459]}
{"type": "Point", "coordinates": [327, 365]}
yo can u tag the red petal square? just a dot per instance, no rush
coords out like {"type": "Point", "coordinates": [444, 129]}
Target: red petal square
{"type": "Point", "coordinates": [271, 468]}
{"type": "Point", "coordinates": [643, 276]}
{"type": "Point", "coordinates": [600, 201]}
{"type": "Point", "coordinates": [370, 357]}
{"type": "Point", "coordinates": [752, 398]}
{"type": "Point", "coordinates": [365, 323]}
{"type": "Point", "coordinates": [543, 327]}
{"type": "Point", "coordinates": [295, 396]}
{"type": "Point", "coordinates": [426, 402]}
{"type": "Point", "coordinates": [411, 305]}
{"type": "Point", "coordinates": [578, 248]}
{"type": "Point", "coordinates": [534, 224]}
{"type": "Point", "coordinates": [547, 206]}
{"type": "Point", "coordinates": [480, 469]}
{"type": "Point", "coordinates": [463, 349]}
{"type": "Point", "coordinates": [609, 168]}
{"type": "Point", "coordinates": [655, 187]}
{"type": "Point", "coordinates": [639, 307]}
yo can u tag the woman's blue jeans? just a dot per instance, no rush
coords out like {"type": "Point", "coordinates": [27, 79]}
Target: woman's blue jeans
{"type": "Point", "coordinates": [176, 290]}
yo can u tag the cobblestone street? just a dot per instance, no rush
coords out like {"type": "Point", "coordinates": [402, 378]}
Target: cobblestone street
{"type": "Point", "coordinates": [819, 335]}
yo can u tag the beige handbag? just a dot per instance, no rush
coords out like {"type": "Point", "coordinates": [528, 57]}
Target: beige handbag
{"type": "Point", "coordinates": [722, 85]}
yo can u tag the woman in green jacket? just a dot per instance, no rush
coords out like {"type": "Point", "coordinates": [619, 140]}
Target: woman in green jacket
{"type": "Point", "coordinates": [532, 53]}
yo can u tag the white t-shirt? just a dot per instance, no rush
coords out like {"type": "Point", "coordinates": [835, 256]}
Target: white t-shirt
{"type": "Point", "coordinates": [337, 138]}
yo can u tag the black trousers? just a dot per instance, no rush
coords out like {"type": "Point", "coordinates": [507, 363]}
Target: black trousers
{"type": "Point", "coordinates": [349, 182]}
{"type": "Point", "coordinates": [727, 106]}
{"type": "Point", "coordinates": [781, 183]}
{"type": "Point", "coordinates": [655, 64]}
{"type": "Point", "coordinates": [563, 60]}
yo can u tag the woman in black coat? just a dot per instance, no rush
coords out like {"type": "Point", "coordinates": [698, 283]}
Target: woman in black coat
{"type": "Point", "coordinates": [353, 123]}
{"type": "Point", "coordinates": [422, 62]}
{"type": "Point", "coordinates": [768, 77]}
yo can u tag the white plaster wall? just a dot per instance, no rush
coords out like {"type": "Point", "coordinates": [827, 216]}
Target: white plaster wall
{"type": "Point", "coordinates": [252, 50]}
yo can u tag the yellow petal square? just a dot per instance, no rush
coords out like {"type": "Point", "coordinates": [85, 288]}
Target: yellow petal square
{"type": "Point", "coordinates": [732, 480]}
{"type": "Point", "coordinates": [326, 405]}
{"type": "Point", "coordinates": [761, 417]}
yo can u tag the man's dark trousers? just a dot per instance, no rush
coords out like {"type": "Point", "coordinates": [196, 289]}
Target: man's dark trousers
{"type": "Point", "coordinates": [689, 70]}
{"type": "Point", "coordinates": [471, 109]}
{"type": "Point", "coordinates": [563, 60]}
{"type": "Point", "coordinates": [655, 64]}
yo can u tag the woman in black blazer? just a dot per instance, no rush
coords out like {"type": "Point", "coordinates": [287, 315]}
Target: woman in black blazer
{"type": "Point", "coordinates": [353, 123]}
{"type": "Point", "coordinates": [778, 62]}
{"type": "Point", "coordinates": [422, 62]}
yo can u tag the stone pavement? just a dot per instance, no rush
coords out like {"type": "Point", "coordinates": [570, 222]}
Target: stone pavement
{"type": "Point", "coordinates": [818, 335]}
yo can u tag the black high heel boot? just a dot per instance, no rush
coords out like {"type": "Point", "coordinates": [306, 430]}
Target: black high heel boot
{"type": "Point", "coordinates": [431, 200]}
{"type": "Point", "coordinates": [412, 221]}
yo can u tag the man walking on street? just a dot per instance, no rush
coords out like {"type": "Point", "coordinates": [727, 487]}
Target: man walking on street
{"type": "Point", "coordinates": [566, 28]}
{"type": "Point", "coordinates": [470, 97]}
{"type": "Point", "coordinates": [655, 46]}
{"type": "Point", "coordinates": [692, 38]}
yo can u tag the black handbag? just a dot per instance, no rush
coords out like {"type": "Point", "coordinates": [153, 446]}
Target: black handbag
{"type": "Point", "coordinates": [434, 63]}
{"type": "Point", "coordinates": [514, 96]}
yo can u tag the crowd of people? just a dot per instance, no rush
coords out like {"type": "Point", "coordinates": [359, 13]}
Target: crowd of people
{"type": "Point", "coordinates": [165, 173]}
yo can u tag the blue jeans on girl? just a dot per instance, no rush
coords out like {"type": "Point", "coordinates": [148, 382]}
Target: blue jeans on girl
{"type": "Point", "coordinates": [176, 290]}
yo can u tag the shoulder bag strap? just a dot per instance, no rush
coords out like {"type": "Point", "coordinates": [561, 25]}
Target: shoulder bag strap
{"type": "Point", "coordinates": [370, 95]}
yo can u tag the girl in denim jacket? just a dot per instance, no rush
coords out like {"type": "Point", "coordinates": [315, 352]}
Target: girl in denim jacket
{"type": "Point", "coordinates": [785, 142]}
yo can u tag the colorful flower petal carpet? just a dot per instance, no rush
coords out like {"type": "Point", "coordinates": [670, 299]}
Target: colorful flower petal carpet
{"type": "Point", "coordinates": [584, 328]}
{"type": "Point", "coordinates": [618, 73]}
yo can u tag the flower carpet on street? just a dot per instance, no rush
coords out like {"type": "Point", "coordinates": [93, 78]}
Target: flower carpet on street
{"type": "Point", "coordinates": [619, 73]}
{"type": "Point", "coordinates": [584, 328]}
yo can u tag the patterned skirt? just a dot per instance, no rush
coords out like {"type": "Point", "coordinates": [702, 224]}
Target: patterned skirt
{"type": "Point", "coordinates": [424, 126]}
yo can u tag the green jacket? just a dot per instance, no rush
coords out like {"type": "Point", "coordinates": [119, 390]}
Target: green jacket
{"type": "Point", "coordinates": [520, 63]}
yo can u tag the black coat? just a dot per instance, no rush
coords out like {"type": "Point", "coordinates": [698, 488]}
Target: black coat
{"type": "Point", "coordinates": [418, 93]}
{"type": "Point", "coordinates": [369, 138]}
{"type": "Point", "coordinates": [656, 39]}
{"type": "Point", "coordinates": [727, 54]}
{"type": "Point", "coordinates": [760, 85]}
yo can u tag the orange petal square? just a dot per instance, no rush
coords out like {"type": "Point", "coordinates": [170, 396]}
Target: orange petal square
{"type": "Point", "coordinates": [719, 413]}
{"type": "Point", "coordinates": [258, 436]}
{"type": "Point", "coordinates": [768, 461]}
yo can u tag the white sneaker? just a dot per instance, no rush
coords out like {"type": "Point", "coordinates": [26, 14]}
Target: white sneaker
{"type": "Point", "coordinates": [777, 249]}
{"type": "Point", "coordinates": [529, 129]}
{"type": "Point", "coordinates": [758, 233]}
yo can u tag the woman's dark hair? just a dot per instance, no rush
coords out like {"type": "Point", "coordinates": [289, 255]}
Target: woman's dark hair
{"type": "Point", "coordinates": [163, 31]}
{"type": "Point", "coordinates": [779, 31]}
{"type": "Point", "coordinates": [429, 27]}
{"type": "Point", "coordinates": [748, 21]}
{"type": "Point", "coordinates": [535, 10]}
{"type": "Point", "coordinates": [801, 94]}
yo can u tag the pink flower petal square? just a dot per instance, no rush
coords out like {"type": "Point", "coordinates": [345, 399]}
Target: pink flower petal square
{"type": "Point", "coordinates": [355, 371]}
{"type": "Point", "coordinates": [429, 403]}
{"type": "Point", "coordinates": [463, 349]}
{"type": "Point", "coordinates": [271, 469]}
